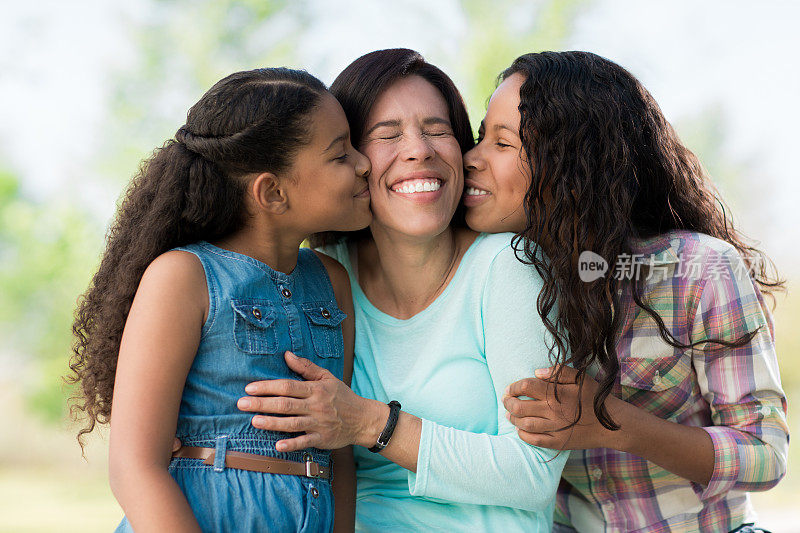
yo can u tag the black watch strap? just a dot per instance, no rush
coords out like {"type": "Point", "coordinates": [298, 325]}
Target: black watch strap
{"type": "Point", "coordinates": [386, 434]}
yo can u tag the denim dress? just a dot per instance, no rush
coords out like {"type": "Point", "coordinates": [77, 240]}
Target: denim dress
{"type": "Point", "coordinates": [255, 315]}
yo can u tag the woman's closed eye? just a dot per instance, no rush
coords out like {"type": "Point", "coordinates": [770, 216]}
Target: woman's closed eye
{"type": "Point", "coordinates": [385, 134]}
{"type": "Point", "coordinates": [437, 133]}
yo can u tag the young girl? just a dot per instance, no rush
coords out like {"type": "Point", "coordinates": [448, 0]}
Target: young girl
{"type": "Point", "coordinates": [202, 289]}
{"type": "Point", "coordinates": [673, 404]}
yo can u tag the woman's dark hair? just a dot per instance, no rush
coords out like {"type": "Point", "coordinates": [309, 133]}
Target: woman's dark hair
{"type": "Point", "coordinates": [360, 84]}
{"type": "Point", "coordinates": [190, 189]}
{"type": "Point", "coordinates": [607, 168]}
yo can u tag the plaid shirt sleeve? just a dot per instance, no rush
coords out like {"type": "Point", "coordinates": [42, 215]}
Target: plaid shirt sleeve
{"type": "Point", "coordinates": [741, 385]}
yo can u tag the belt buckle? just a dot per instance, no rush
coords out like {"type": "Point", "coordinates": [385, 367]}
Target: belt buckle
{"type": "Point", "coordinates": [312, 468]}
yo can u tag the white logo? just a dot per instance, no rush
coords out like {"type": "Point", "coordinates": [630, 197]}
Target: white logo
{"type": "Point", "coordinates": [591, 266]}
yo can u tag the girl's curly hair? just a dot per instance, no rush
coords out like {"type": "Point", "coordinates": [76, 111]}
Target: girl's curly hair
{"type": "Point", "coordinates": [606, 168]}
{"type": "Point", "coordinates": [190, 189]}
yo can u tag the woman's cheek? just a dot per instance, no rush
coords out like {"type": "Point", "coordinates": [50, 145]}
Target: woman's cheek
{"type": "Point", "coordinates": [380, 156]}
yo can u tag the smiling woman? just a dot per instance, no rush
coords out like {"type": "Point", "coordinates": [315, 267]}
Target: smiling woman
{"type": "Point", "coordinates": [438, 329]}
{"type": "Point", "coordinates": [411, 144]}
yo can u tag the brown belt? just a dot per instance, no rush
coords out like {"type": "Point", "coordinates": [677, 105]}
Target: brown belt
{"type": "Point", "coordinates": [257, 463]}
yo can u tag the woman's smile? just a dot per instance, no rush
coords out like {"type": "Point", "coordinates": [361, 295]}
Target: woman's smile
{"type": "Point", "coordinates": [422, 186]}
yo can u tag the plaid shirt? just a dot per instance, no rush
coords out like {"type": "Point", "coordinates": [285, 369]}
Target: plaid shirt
{"type": "Point", "coordinates": [702, 289]}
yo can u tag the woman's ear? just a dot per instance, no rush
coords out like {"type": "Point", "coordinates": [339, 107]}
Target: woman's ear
{"type": "Point", "coordinates": [268, 194]}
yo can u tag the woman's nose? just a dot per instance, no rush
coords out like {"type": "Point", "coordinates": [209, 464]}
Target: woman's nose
{"type": "Point", "coordinates": [417, 147]}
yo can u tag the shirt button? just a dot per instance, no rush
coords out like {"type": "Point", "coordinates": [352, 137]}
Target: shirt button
{"type": "Point", "coordinates": [257, 313]}
{"type": "Point", "coordinates": [286, 292]}
{"type": "Point", "coordinates": [765, 410]}
{"type": "Point", "coordinates": [608, 506]}
{"type": "Point", "coordinates": [657, 378]}
{"type": "Point", "coordinates": [597, 473]}
{"type": "Point", "coordinates": [314, 492]}
{"type": "Point", "coordinates": [326, 313]}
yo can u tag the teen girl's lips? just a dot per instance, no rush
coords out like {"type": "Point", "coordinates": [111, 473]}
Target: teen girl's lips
{"type": "Point", "coordinates": [474, 194]}
{"type": "Point", "coordinates": [422, 186]}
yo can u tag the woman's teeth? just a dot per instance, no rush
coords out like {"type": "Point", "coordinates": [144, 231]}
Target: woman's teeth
{"type": "Point", "coordinates": [413, 186]}
{"type": "Point", "coordinates": [472, 191]}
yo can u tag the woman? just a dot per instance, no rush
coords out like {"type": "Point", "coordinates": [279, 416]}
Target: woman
{"type": "Point", "coordinates": [438, 328]}
{"type": "Point", "coordinates": [674, 404]}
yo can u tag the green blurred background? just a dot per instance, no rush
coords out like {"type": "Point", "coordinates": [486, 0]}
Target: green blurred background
{"type": "Point", "coordinates": [89, 88]}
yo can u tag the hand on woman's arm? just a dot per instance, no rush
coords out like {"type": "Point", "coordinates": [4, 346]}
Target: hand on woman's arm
{"type": "Point", "coordinates": [158, 346]}
{"type": "Point", "coordinates": [329, 412]}
{"type": "Point", "coordinates": [684, 450]}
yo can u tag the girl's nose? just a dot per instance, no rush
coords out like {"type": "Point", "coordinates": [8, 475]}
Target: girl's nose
{"type": "Point", "coordinates": [363, 165]}
{"type": "Point", "coordinates": [472, 162]}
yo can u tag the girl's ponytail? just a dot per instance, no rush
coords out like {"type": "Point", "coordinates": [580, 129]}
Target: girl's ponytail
{"type": "Point", "coordinates": [192, 188]}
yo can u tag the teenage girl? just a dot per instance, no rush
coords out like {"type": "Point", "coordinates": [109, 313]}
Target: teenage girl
{"type": "Point", "coordinates": [672, 404]}
{"type": "Point", "coordinates": [202, 288]}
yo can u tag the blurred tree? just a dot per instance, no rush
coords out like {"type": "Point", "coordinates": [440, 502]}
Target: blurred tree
{"type": "Point", "coordinates": [182, 48]}
{"type": "Point", "coordinates": [499, 32]}
{"type": "Point", "coordinates": [47, 251]}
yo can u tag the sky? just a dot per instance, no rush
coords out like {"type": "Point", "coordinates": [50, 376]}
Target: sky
{"type": "Point", "coordinates": [57, 60]}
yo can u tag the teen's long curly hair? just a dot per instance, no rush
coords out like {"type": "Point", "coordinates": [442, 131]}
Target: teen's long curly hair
{"type": "Point", "coordinates": [606, 168]}
{"type": "Point", "coordinates": [191, 189]}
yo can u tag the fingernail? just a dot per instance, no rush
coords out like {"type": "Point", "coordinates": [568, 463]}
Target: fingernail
{"type": "Point", "coordinates": [506, 391]}
{"type": "Point", "coordinates": [290, 354]}
{"type": "Point", "coordinates": [250, 388]}
{"type": "Point", "coordinates": [508, 415]}
{"type": "Point", "coordinates": [258, 420]}
{"type": "Point", "coordinates": [244, 403]}
{"type": "Point", "coordinates": [541, 372]}
{"type": "Point", "coordinates": [280, 446]}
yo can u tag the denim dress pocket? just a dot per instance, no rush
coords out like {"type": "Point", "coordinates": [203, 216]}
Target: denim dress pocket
{"type": "Point", "coordinates": [253, 329]}
{"type": "Point", "coordinates": [324, 321]}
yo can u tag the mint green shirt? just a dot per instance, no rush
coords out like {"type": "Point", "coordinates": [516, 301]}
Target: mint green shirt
{"type": "Point", "coordinates": [449, 365]}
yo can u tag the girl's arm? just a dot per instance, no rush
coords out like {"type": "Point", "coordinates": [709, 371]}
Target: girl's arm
{"type": "Point", "coordinates": [344, 467]}
{"type": "Point", "coordinates": [444, 463]}
{"type": "Point", "coordinates": [745, 448]}
{"type": "Point", "coordinates": [158, 345]}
